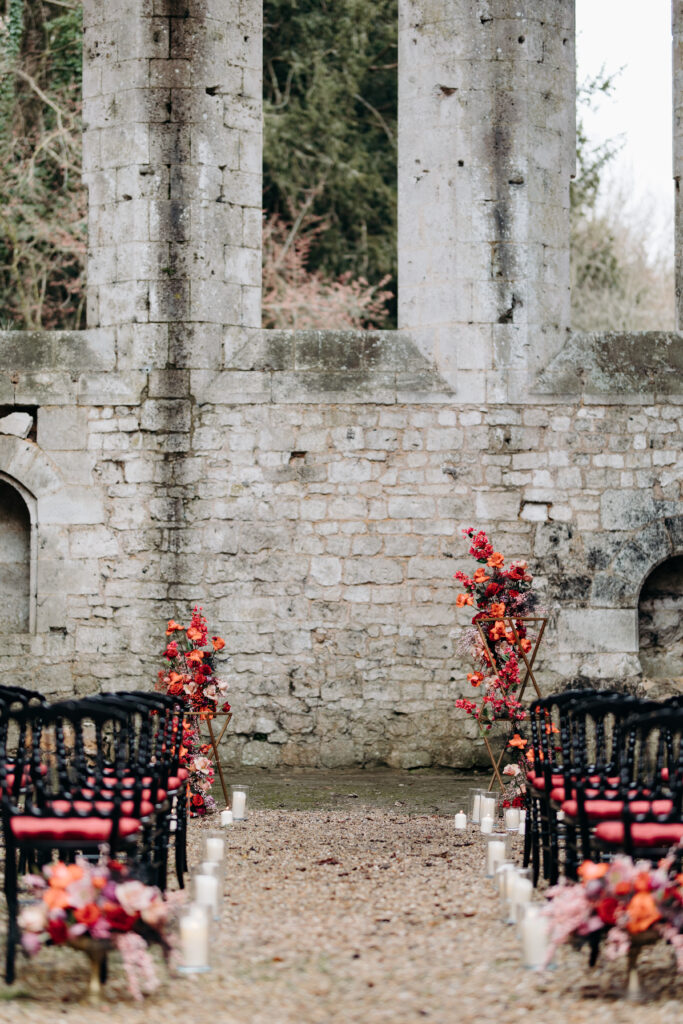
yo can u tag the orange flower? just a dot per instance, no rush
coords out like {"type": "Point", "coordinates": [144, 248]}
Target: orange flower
{"type": "Point", "coordinates": [642, 913]}
{"type": "Point", "coordinates": [525, 644]}
{"type": "Point", "coordinates": [56, 899]}
{"type": "Point", "coordinates": [175, 677]}
{"type": "Point", "coordinates": [641, 882]}
{"type": "Point", "coordinates": [510, 636]}
{"type": "Point", "coordinates": [480, 576]}
{"type": "Point", "coordinates": [475, 678]}
{"type": "Point", "coordinates": [87, 915]}
{"type": "Point", "coordinates": [194, 634]}
{"type": "Point", "coordinates": [589, 872]}
{"type": "Point", "coordinates": [63, 874]}
{"type": "Point", "coordinates": [172, 627]}
{"type": "Point", "coordinates": [463, 599]}
{"type": "Point", "coordinates": [518, 742]}
{"type": "Point", "coordinates": [496, 561]}
{"type": "Point", "coordinates": [195, 657]}
{"type": "Point", "coordinates": [497, 611]}
{"type": "Point", "coordinates": [622, 888]}
{"type": "Point", "coordinates": [551, 728]}
{"type": "Point", "coordinates": [498, 631]}
{"type": "Point", "coordinates": [218, 643]}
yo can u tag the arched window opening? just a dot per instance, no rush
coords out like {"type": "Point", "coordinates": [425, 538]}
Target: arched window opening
{"type": "Point", "coordinates": [15, 561]}
{"type": "Point", "coordinates": [660, 623]}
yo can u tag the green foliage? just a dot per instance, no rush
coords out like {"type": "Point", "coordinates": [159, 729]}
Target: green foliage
{"type": "Point", "coordinates": [43, 212]}
{"type": "Point", "coordinates": [330, 107]}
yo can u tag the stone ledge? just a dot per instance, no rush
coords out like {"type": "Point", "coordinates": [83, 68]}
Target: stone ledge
{"type": "Point", "coordinates": [33, 351]}
{"type": "Point", "coordinates": [643, 363]}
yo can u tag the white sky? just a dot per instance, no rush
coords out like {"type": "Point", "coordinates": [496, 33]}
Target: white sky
{"type": "Point", "coordinates": [635, 35]}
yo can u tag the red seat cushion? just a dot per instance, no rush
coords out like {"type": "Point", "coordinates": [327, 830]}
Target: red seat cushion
{"type": "Point", "coordinates": [103, 806]}
{"type": "Point", "coordinates": [539, 783]}
{"type": "Point", "coordinates": [159, 794]}
{"type": "Point", "coordinates": [183, 774]}
{"type": "Point", "coordinates": [600, 809]}
{"type": "Point", "coordinates": [642, 834]}
{"type": "Point", "coordinates": [93, 830]}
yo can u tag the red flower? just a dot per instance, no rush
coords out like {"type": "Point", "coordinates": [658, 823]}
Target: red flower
{"type": "Point", "coordinates": [197, 800]}
{"type": "Point", "coordinates": [171, 651]}
{"type": "Point", "coordinates": [607, 910]}
{"type": "Point", "coordinates": [56, 928]}
{"type": "Point", "coordinates": [118, 919]}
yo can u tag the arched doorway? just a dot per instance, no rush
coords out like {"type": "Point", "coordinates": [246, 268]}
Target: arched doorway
{"type": "Point", "coordinates": [660, 625]}
{"type": "Point", "coordinates": [15, 561]}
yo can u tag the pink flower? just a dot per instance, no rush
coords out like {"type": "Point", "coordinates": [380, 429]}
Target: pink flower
{"type": "Point", "coordinates": [33, 918]}
{"type": "Point", "coordinates": [135, 896]}
{"type": "Point", "coordinates": [31, 943]}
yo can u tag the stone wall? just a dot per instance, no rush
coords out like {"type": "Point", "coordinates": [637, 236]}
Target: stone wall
{"type": "Point", "coordinates": [308, 488]}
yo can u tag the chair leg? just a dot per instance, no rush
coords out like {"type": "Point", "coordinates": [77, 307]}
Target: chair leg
{"type": "Point", "coordinates": [12, 910]}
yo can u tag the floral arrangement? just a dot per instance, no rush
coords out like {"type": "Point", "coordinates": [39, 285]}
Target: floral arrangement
{"type": "Point", "coordinates": [498, 594]}
{"type": "Point", "coordinates": [190, 676]}
{"type": "Point", "coordinates": [83, 901]}
{"type": "Point", "coordinates": [615, 902]}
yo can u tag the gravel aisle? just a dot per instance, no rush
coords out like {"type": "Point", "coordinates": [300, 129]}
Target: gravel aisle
{"type": "Point", "coordinates": [356, 917]}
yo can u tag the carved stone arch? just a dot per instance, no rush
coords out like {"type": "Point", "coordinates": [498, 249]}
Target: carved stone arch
{"type": "Point", "coordinates": [620, 583]}
{"type": "Point", "coordinates": [7, 518]}
{"type": "Point", "coordinates": [26, 468]}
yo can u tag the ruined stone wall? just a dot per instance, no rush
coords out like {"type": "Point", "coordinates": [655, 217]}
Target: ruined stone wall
{"type": "Point", "coordinates": [308, 488]}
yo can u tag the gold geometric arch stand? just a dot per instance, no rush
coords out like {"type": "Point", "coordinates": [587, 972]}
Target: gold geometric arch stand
{"type": "Point", "coordinates": [214, 739]}
{"type": "Point", "coordinates": [529, 677]}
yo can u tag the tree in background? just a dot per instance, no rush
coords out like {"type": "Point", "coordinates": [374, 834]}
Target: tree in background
{"type": "Point", "coordinates": [43, 208]}
{"type": "Point", "coordinates": [330, 153]}
{"type": "Point", "coordinates": [618, 283]}
{"type": "Point", "coordinates": [330, 120]}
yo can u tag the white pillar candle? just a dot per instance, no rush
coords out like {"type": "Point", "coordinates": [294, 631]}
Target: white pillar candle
{"type": "Point", "coordinates": [461, 821]}
{"type": "Point", "coordinates": [239, 803]}
{"type": "Point", "coordinates": [520, 890]}
{"type": "Point", "coordinates": [504, 874]}
{"type": "Point", "coordinates": [512, 818]}
{"type": "Point", "coordinates": [194, 939]}
{"type": "Point", "coordinates": [206, 891]}
{"type": "Point", "coordinates": [476, 810]}
{"type": "Point", "coordinates": [226, 817]}
{"type": "Point", "coordinates": [534, 933]}
{"type": "Point", "coordinates": [522, 814]}
{"type": "Point", "coordinates": [486, 825]}
{"type": "Point", "coordinates": [495, 855]}
{"type": "Point", "coordinates": [488, 807]}
{"type": "Point", "coordinates": [215, 848]}
{"type": "Point", "coordinates": [522, 828]}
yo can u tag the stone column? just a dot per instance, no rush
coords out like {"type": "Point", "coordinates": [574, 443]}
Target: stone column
{"type": "Point", "coordinates": [486, 153]}
{"type": "Point", "coordinates": [172, 159]}
{"type": "Point", "coordinates": [677, 70]}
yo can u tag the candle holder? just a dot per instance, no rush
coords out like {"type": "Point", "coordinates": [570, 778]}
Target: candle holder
{"type": "Point", "coordinates": [512, 818]}
{"type": "Point", "coordinates": [214, 847]}
{"type": "Point", "coordinates": [519, 891]}
{"type": "Point", "coordinates": [238, 802]}
{"type": "Point", "coordinates": [533, 930]}
{"type": "Point", "coordinates": [207, 887]}
{"type": "Point", "coordinates": [194, 930]}
{"type": "Point", "coordinates": [501, 878]}
{"type": "Point", "coordinates": [474, 800]}
{"type": "Point", "coordinates": [497, 851]}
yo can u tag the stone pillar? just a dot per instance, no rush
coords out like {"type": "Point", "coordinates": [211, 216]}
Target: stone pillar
{"type": "Point", "coordinates": [486, 153]}
{"type": "Point", "coordinates": [172, 159]}
{"type": "Point", "coordinates": [677, 70]}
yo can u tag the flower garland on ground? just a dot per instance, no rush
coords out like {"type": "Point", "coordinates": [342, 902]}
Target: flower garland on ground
{"type": "Point", "coordinates": [191, 678]}
{"type": "Point", "coordinates": [84, 901]}
{"type": "Point", "coordinates": [498, 593]}
{"type": "Point", "coordinates": [615, 902]}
